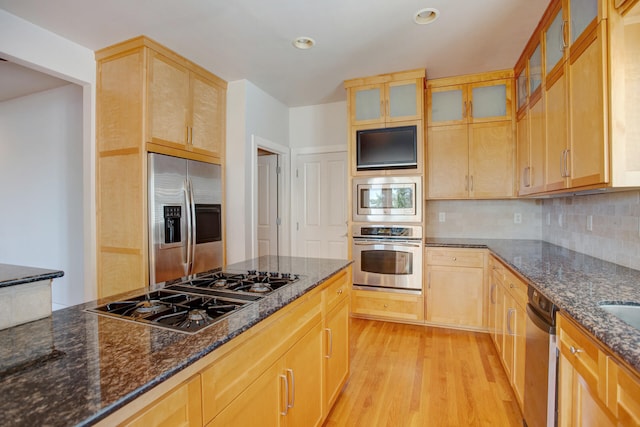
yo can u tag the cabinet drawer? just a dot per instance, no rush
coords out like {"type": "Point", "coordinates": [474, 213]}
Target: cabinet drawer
{"type": "Point", "coordinates": [516, 287]}
{"type": "Point", "coordinates": [456, 257]}
{"type": "Point", "coordinates": [336, 290]}
{"type": "Point", "coordinates": [583, 353]}
{"type": "Point", "coordinates": [388, 304]}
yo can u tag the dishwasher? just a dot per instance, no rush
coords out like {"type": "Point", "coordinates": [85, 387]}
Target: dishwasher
{"type": "Point", "coordinates": [541, 362]}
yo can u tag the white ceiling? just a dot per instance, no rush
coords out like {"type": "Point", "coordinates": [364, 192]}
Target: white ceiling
{"type": "Point", "coordinates": [251, 39]}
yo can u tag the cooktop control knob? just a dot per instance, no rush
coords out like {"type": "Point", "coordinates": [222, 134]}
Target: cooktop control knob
{"type": "Point", "coordinates": [252, 272]}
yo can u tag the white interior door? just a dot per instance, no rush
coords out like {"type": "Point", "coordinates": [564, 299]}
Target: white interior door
{"type": "Point", "coordinates": [321, 205]}
{"type": "Point", "coordinates": [268, 204]}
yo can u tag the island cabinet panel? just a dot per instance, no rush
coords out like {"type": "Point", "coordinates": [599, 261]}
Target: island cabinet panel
{"type": "Point", "coordinates": [180, 407]}
{"type": "Point", "coordinates": [148, 99]}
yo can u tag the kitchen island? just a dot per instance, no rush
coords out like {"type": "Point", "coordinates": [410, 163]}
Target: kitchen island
{"type": "Point", "coordinates": [99, 364]}
{"type": "Point", "coordinates": [575, 282]}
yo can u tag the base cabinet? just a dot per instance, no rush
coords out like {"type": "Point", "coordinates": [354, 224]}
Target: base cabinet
{"type": "Point", "coordinates": [594, 387]}
{"type": "Point", "coordinates": [287, 370]}
{"type": "Point", "coordinates": [387, 305]}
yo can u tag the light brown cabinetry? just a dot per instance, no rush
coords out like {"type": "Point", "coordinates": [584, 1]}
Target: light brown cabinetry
{"type": "Point", "coordinates": [508, 299]}
{"type": "Point", "coordinates": [594, 387]}
{"type": "Point", "coordinates": [455, 287]}
{"type": "Point", "coordinates": [470, 137]}
{"type": "Point", "coordinates": [148, 99]}
{"type": "Point", "coordinates": [591, 56]}
{"type": "Point", "coordinates": [387, 305]}
{"type": "Point", "coordinates": [386, 100]}
{"type": "Point", "coordinates": [286, 370]}
{"type": "Point", "coordinates": [181, 406]}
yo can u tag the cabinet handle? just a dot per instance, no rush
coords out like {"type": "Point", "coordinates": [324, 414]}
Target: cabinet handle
{"type": "Point", "coordinates": [509, 317]}
{"type": "Point", "coordinates": [339, 292]}
{"type": "Point", "coordinates": [492, 296]}
{"type": "Point", "coordinates": [470, 109]}
{"type": "Point", "coordinates": [293, 389]}
{"type": "Point", "coordinates": [286, 393]}
{"type": "Point", "coordinates": [388, 109]}
{"type": "Point", "coordinates": [328, 356]}
{"type": "Point", "coordinates": [563, 36]}
{"type": "Point", "coordinates": [566, 163]}
{"type": "Point", "coordinates": [527, 176]}
{"type": "Point", "coordinates": [455, 259]}
{"type": "Point", "coordinates": [574, 350]}
{"type": "Point", "coordinates": [429, 280]}
{"type": "Point", "coordinates": [464, 110]}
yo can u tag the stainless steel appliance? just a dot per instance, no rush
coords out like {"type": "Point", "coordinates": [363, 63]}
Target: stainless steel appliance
{"type": "Point", "coordinates": [388, 257]}
{"type": "Point", "coordinates": [389, 199]}
{"type": "Point", "coordinates": [541, 362]}
{"type": "Point", "coordinates": [199, 301]}
{"type": "Point", "coordinates": [185, 217]}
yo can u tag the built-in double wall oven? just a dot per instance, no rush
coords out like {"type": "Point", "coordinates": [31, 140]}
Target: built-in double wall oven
{"type": "Point", "coordinates": [387, 233]}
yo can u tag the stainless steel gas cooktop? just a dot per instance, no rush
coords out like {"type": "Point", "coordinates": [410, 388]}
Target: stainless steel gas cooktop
{"type": "Point", "coordinates": [193, 304]}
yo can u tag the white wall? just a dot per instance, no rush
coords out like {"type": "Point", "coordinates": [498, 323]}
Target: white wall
{"type": "Point", "coordinates": [318, 125]}
{"type": "Point", "coordinates": [250, 111]}
{"type": "Point", "coordinates": [41, 172]}
{"type": "Point", "coordinates": [31, 46]}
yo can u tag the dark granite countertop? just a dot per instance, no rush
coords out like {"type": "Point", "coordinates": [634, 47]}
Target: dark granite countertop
{"type": "Point", "coordinates": [76, 367]}
{"type": "Point", "coordinates": [11, 275]}
{"type": "Point", "coordinates": [575, 282]}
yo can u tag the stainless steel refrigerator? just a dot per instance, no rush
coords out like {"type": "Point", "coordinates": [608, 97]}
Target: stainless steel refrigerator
{"type": "Point", "coordinates": [185, 217]}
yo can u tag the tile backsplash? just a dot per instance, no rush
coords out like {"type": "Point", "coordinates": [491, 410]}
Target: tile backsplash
{"type": "Point", "coordinates": [606, 226]}
{"type": "Point", "coordinates": [496, 219]}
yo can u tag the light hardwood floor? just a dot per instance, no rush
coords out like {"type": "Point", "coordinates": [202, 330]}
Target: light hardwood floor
{"type": "Point", "coordinates": [407, 375]}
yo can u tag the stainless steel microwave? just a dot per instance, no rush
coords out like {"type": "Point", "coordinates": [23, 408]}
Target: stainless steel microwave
{"type": "Point", "coordinates": [387, 199]}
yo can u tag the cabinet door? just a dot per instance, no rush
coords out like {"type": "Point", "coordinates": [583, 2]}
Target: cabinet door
{"type": "Point", "coordinates": [520, 342]}
{"type": "Point", "coordinates": [535, 70]}
{"type": "Point", "coordinates": [447, 105]}
{"type": "Point", "coordinates": [523, 154]}
{"type": "Point", "coordinates": [522, 89]}
{"type": "Point", "coordinates": [491, 318]}
{"type": "Point", "coordinates": [448, 162]}
{"type": "Point", "coordinates": [181, 407]}
{"type": "Point", "coordinates": [578, 406]}
{"type": "Point", "coordinates": [168, 101]}
{"type": "Point", "coordinates": [556, 133]}
{"type": "Point", "coordinates": [367, 104]}
{"type": "Point", "coordinates": [336, 352]}
{"type": "Point", "coordinates": [589, 147]}
{"type": "Point", "coordinates": [260, 404]}
{"type": "Point", "coordinates": [208, 114]}
{"type": "Point", "coordinates": [537, 141]}
{"type": "Point", "coordinates": [500, 316]}
{"type": "Point", "coordinates": [581, 13]}
{"type": "Point", "coordinates": [491, 160]}
{"type": "Point", "coordinates": [555, 43]}
{"type": "Point", "coordinates": [508, 342]}
{"type": "Point", "coordinates": [490, 101]}
{"type": "Point", "coordinates": [303, 369]}
{"type": "Point", "coordinates": [455, 296]}
{"type": "Point", "coordinates": [404, 100]}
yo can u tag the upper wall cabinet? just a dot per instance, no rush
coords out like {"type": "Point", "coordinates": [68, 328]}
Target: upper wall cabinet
{"type": "Point", "coordinates": [473, 102]}
{"type": "Point", "coordinates": [387, 98]}
{"type": "Point", "coordinates": [147, 99]}
{"type": "Point", "coordinates": [589, 90]}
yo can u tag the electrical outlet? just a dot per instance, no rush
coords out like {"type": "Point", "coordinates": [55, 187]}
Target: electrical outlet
{"type": "Point", "coordinates": [548, 218]}
{"type": "Point", "coordinates": [589, 222]}
{"type": "Point", "coordinates": [441, 217]}
{"type": "Point", "coordinates": [517, 218]}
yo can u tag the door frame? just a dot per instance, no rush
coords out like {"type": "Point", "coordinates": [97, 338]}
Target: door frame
{"type": "Point", "coordinates": [284, 193]}
{"type": "Point", "coordinates": [295, 153]}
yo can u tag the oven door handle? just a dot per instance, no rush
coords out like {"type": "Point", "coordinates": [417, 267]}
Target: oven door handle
{"type": "Point", "coordinates": [387, 243]}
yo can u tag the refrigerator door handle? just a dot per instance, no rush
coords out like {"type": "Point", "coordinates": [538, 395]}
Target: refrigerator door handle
{"type": "Point", "coordinates": [193, 227]}
{"type": "Point", "coordinates": [187, 203]}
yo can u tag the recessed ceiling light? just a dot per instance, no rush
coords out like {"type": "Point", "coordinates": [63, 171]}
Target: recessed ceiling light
{"type": "Point", "coordinates": [303, 42]}
{"type": "Point", "coordinates": [426, 16]}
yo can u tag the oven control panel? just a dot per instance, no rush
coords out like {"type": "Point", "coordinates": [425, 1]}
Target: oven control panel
{"type": "Point", "coordinates": [389, 231]}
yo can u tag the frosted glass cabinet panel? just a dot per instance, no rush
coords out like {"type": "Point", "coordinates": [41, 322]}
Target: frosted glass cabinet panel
{"type": "Point", "coordinates": [489, 101]}
{"type": "Point", "coordinates": [368, 104]}
{"type": "Point", "coordinates": [535, 70]}
{"type": "Point", "coordinates": [554, 36]}
{"type": "Point", "coordinates": [582, 12]}
{"type": "Point", "coordinates": [521, 80]}
{"type": "Point", "coordinates": [447, 105]}
{"type": "Point", "coordinates": [402, 100]}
